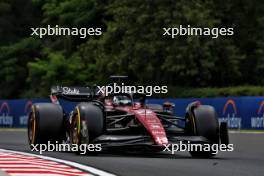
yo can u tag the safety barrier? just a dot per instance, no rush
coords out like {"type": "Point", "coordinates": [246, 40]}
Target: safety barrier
{"type": "Point", "coordinates": [239, 112]}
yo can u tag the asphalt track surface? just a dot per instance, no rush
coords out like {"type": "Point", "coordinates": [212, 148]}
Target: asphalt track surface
{"type": "Point", "coordinates": [246, 160]}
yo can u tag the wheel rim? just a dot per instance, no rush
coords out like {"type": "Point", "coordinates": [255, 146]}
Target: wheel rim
{"type": "Point", "coordinates": [32, 128]}
{"type": "Point", "coordinates": [74, 130]}
{"type": "Point", "coordinates": [193, 124]}
{"type": "Point", "coordinates": [190, 121]}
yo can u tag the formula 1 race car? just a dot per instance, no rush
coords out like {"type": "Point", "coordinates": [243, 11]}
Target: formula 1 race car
{"type": "Point", "coordinates": [122, 120]}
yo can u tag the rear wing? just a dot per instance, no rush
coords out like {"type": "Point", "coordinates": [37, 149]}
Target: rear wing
{"type": "Point", "coordinates": [71, 93]}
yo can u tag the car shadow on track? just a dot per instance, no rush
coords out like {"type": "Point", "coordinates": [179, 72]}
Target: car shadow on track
{"type": "Point", "coordinates": [160, 155]}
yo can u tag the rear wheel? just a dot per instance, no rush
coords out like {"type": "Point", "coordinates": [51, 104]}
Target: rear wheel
{"type": "Point", "coordinates": [202, 121]}
{"type": "Point", "coordinates": [45, 123]}
{"type": "Point", "coordinates": [87, 123]}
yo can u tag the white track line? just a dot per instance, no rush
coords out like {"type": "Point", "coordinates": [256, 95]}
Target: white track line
{"type": "Point", "coordinates": [16, 170]}
{"type": "Point", "coordinates": [36, 167]}
{"type": "Point", "coordinates": [17, 174]}
{"type": "Point", "coordinates": [70, 163]}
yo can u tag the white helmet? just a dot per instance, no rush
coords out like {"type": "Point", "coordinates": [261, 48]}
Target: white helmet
{"type": "Point", "coordinates": [121, 100]}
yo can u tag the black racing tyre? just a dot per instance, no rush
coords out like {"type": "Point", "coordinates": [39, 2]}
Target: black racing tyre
{"type": "Point", "coordinates": [45, 123]}
{"type": "Point", "coordinates": [224, 133]}
{"type": "Point", "coordinates": [87, 123]}
{"type": "Point", "coordinates": [202, 121]}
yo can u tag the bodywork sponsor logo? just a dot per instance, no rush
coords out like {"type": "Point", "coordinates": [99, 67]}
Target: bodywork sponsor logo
{"type": "Point", "coordinates": [70, 91]}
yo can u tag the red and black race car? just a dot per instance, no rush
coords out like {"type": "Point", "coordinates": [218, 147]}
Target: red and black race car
{"type": "Point", "coordinates": [122, 120]}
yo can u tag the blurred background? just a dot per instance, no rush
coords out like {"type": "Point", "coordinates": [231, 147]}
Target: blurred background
{"type": "Point", "coordinates": [133, 44]}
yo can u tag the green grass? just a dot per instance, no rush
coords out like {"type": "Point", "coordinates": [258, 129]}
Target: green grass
{"type": "Point", "coordinates": [13, 129]}
{"type": "Point", "coordinates": [248, 131]}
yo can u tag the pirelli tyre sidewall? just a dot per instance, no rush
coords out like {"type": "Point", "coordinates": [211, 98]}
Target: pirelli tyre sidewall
{"type": "Point", "coordinates": [87, 123]}
{"type": "Point", "coordinates": [45, 123]}
{"type": "Point", "coordinates": [202, 121]}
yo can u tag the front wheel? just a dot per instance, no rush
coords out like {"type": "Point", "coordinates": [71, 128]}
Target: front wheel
{"type": "Point", "coordinates": [202, 121]}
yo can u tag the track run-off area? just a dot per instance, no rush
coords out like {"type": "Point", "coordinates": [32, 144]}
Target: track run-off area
{"type": "Point", "coordinates": [247, 159]}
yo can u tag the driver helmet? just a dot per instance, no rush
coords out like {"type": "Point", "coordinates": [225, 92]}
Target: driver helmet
{"type": "Point", "coordinates": [121, 100]}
